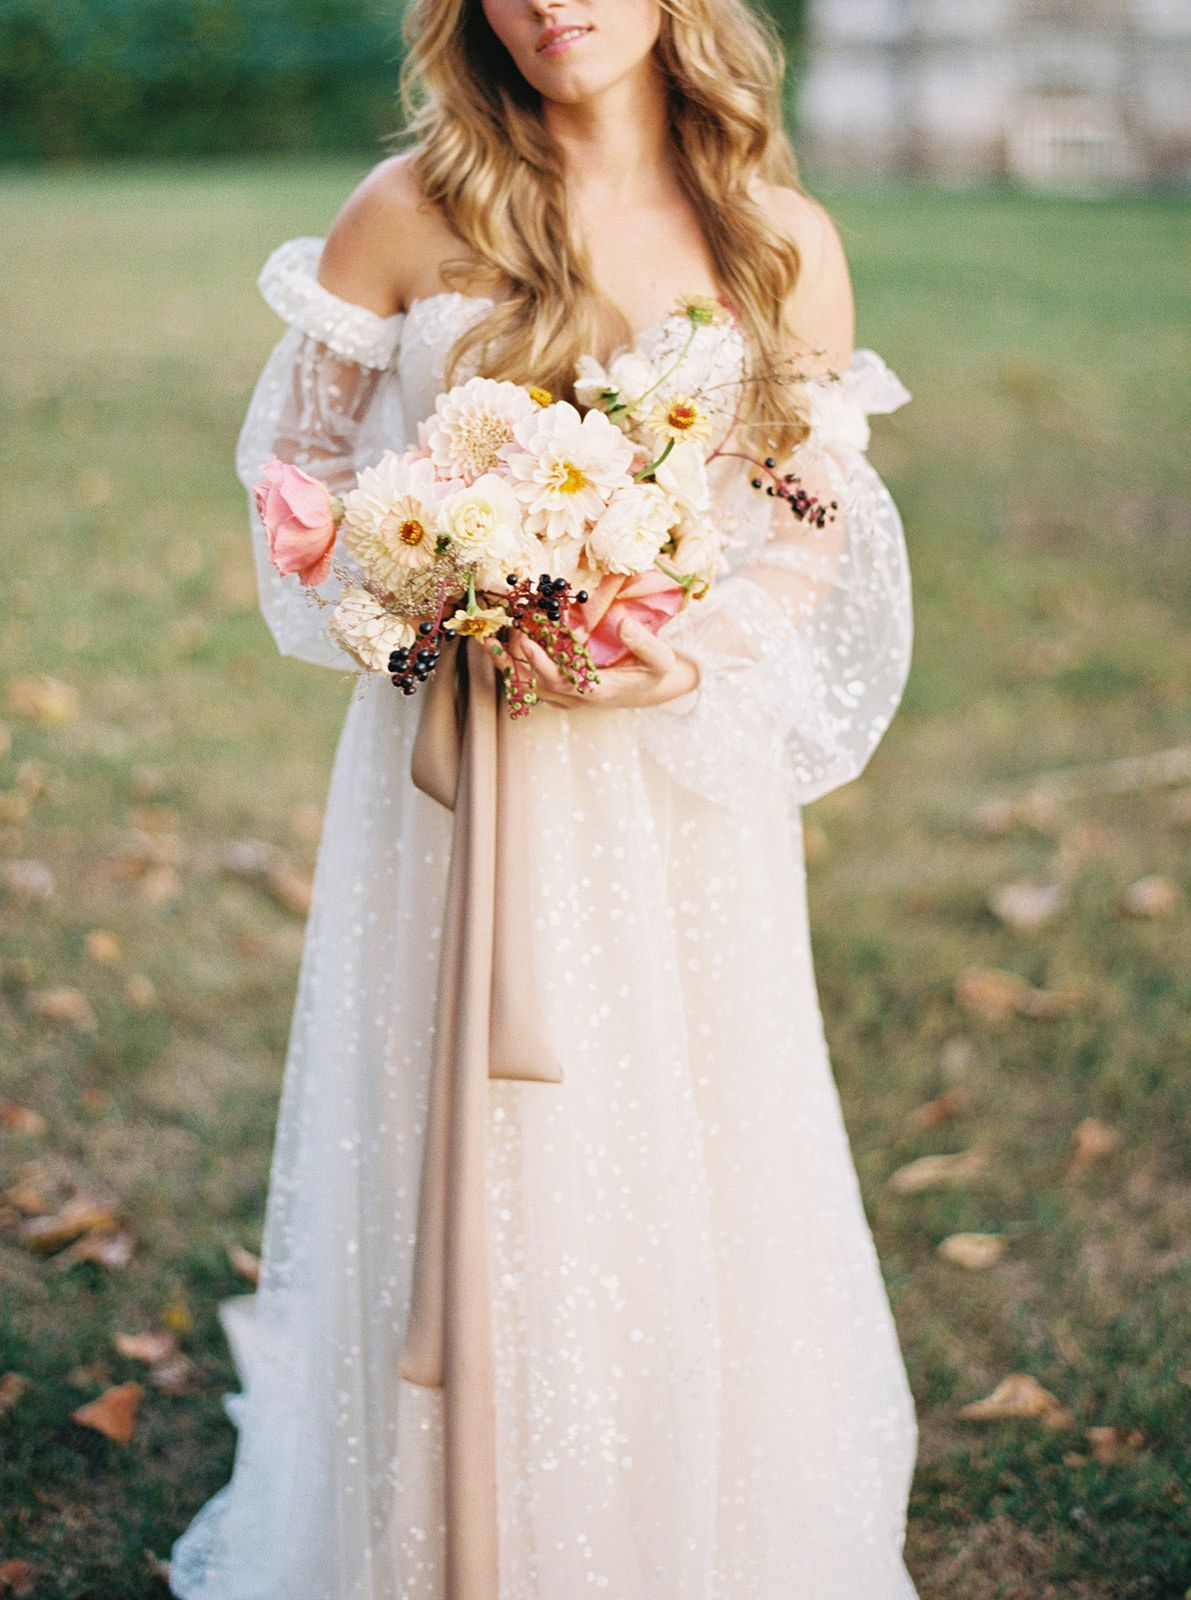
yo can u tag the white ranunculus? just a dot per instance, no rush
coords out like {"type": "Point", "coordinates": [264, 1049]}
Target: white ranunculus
{"type": "Point", "coordinates": [632, 530]}
{"type": "Point", "coordinates": [483, 518]}
{"type": "Point", "coordinates": [361, 626]}
{"type": "Point", "coordinates": [683, 475]}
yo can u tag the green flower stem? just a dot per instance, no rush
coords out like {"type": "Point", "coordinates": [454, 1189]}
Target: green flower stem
{"type": "Point", "coordinates": [631, 405]}
{"type": "Point", "coordinates": [654, 465]}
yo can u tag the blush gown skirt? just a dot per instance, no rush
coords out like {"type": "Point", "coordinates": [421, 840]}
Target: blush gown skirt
{"type": "Point", "coordinates": [700, 1393]}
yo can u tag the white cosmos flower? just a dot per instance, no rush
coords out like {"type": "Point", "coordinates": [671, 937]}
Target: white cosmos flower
{"type": "Point", "coordinates": [683, 475]}
{"type": "Point", "coordinates": [565, 467]}
{"type": "Point", "coordinates": [470, 424]}
{"type": "Point", "coordinates": [629, 374]}
{"type": "Point", "coordinates": [361, 626]}
{"type": "Point", "coordinates": [392, 515]}
{"type": "Point", "coordinates": [632, 530]}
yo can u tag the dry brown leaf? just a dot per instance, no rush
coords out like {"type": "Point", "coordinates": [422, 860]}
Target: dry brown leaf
{"type": "Point", "coordinates": [47, 700]}
{"type": "Point", "coordinates": [289, 887]}
{"type": "Point", "coordinates": [103, 947]}
{"type": "Point", "coordinates": [1057, 1002]}
{"type": "Point", "coordinates": [938, 1172]}
{"type": "Point", "coordinates": [156, 1567]}
{"type": "Point", "coordinates": [79, 1216]}
{"type": "Point", "coordinates": [92, 1099]}
{"type": "Point", "coordinates": [1091, 1141]}
{"type": "Point", "coordinates": [28, 880]}
{"type": "Point", "coordinates": [245, 1263]}
{"type": "Point", "coordinates": [139, 993]}
{"type": "Point", "coordinates": [113, 1413]}
{"type": "Point", "coordinates": [12, 1387]}
{"type": "Point", "coordinates": [159, 884]}
{"type": "Point", "coordinates": [63, 1005]}
{"type": "Point", "coordinates": [151, 1347]}
{"type": "Point", "coordinates": [975, 1251]}
{"type": "Point", "coordinates": [176, 1375]}
{"type": "Point", "coordinates": [17, 1577]}
{"type": "Point", "coordinates": [106, 1249]}
{"type": "Point", "coordinates": [1026, 904]}
{"type": "Point", "coordinates": [995, 995]}
{"type": "Point", "coordinates": [21, 1119]}
{"type": "Point", "coordinates": [1152, 896]}
{"type": "Point", "coordinates": [28, 1199]}
{"type": "Point", "coordinates": [939, 1110]}
{"type": "Point", "coordinates": [1019, 1395]}
{"type": "Point", "coordinates": [14, 807]}
{"type": "Point", "coordinates": [1112, 1444]}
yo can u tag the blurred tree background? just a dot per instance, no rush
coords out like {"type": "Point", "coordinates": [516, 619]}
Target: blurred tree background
{"type": "Point", "coordinates": [81, 79]}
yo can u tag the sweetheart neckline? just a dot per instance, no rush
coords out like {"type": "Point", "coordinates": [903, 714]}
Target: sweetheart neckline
{"type": "Point", "coordinates": [638, 337]}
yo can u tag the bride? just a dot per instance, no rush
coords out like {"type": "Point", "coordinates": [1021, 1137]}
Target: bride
{"type": "Point", "coordinates": [693, 1389]}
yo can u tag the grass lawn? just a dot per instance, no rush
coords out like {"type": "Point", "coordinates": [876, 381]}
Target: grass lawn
{"type": "Point", "coordinates": [1042, 475]}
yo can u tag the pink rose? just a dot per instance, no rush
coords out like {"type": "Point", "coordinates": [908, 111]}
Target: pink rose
{"type": "Point", "coordinates": [649, 598]}
{"type": "Point", "coordinates": [296, 511]}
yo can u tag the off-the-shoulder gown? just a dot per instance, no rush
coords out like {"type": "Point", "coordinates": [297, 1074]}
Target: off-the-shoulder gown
{"type": "Point", "coordinates": [699, 1391]}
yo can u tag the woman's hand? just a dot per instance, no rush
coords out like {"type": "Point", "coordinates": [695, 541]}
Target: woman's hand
{"type": "Point", "coordinates": [657, 674]}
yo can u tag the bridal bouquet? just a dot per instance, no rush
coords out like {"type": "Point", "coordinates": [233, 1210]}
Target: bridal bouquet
{"type": "Point", "coordinates": [517, 510]}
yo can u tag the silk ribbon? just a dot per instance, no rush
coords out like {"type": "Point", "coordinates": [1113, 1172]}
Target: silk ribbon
{"type": "Point", "coordinates": [487, 1025]}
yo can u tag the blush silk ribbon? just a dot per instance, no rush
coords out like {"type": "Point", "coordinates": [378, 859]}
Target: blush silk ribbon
{"type": "Point", "coordinates": [486, 1026]}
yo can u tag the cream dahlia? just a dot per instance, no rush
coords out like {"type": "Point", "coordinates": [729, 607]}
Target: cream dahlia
{"type": "Point", "coordinates": [470, 424]}
{"type": "Point", "coordinates": [391, 518]}
{"type": "Point", "coordinates": [564, 468]}
{"type": "Point", "coordinates": [361, 626]}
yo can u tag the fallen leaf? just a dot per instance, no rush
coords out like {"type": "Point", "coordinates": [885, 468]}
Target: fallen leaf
{"type": "Point", "coordinates": [289, 887]}
{"type": "Point", "coordinates": [63, 1005]}
{"type": "Point", "coordinates": [1004, 814]}
{"type": "Point", "coordinates": [176, 1375]}
{"type": "Point", "coordinates": [1152, 896]}
{"type": "Point", "coordinates": [976, 1251]}
{"type": "Point", "coordinates": [47, 700]}
{"type": "Point", "coordinates": [939, 1110]}
{"type": "Point", "coordinates": [113, 1413]}
{"type": "Point", "coordinates": [151, 1347]}
{"type": "Point", "coordinates": [1019, 1395]}
{"type": "Point", "coordinates": [12, 1387]}
{"type": "Point", "coordinates": [139, 992]}
{"type": "Point", "coordinates": [1026, 904]}
{"type": "Point", "coordinates": [938, 1172]}
{"type": "Point", "coordinates": [102, 946]}
{"type": "Point", "coordinates": [17, 1577]}
{"type": "Point", "coordinates": [46, 1234]}
{"type": "Point", "coordinates": [30, 880]}
{"type": "Point", "coordinates": [1091, 1141]}
{"type": "Point", "coordinates": [21, 1119]}
{"type": "Point", "coordinates": [159, 884]}
{"type": "Point", "coordinates": [93, 1100]}
{"type": "Point", "coordinates": [27, 1199]}
{"type": "Point", "coordinates": [113, 1250]}
{"type": "Point", "coordinates": [1113, 1444]}
{"type": "Point", "coordinates": [14, 807]}
{"type": "Point", "coordinates": [995, 995]}
{"type": "Point", "coordinates": [245, 1263]}
{"type": "Point", "coordinates": [156, 1567]}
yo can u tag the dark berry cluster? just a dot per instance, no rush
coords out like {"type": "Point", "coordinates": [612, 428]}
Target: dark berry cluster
{"type": "Point", "coordinates": [409, 667]}
{"type": "Point", "coordinates": [538, 610]}
{"type": "Point", "coordinates": [789, 488]}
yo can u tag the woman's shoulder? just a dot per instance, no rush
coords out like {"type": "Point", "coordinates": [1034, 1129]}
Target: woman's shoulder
{"type": "Point", "coordinates": [385, 239]}
{"type": "Point", "coordinates": [821, 312]}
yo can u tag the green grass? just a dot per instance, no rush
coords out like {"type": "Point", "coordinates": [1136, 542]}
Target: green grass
{"type": "Point", "coordinates": [1041, 471]}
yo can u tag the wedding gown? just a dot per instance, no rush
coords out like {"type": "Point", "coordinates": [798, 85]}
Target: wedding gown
{"type": "Point", "coordinates": [699, 1391]}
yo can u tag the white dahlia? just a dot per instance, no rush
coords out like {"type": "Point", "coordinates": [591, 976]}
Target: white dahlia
{"type": "Point", "coordinates": [683, 475]}
{"type": "Point", "coordinates": [361, 626]}
{"type": "Point", "coordinates": [391, 517]}
{"type": "Point", "coordinates": [626, 379]}
{"type": "Point", "coordinates": [565, 467]}
{"type": "Point", "coordinates": [470, 424]}
{"type": "Point", "coordinates": [632, 530]}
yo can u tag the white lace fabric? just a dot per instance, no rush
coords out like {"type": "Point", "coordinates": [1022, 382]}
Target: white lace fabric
{"type": "Point", "coordinates": [700, 1393]}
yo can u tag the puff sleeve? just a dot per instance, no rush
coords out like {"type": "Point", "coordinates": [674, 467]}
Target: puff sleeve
{"type": "Point", "coordinates": [804, 648]}
{"type": "Point", "coordinates": [328, 401]}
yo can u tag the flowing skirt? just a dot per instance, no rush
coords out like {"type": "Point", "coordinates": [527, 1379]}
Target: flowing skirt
{"type": "Point", "coordinates": [700, 1393]}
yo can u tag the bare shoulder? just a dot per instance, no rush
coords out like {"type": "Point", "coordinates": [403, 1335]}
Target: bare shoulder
{"type": "Point", "coordinates": [820, 315]}
{"type": "Point", "coordinates": [384, 240]}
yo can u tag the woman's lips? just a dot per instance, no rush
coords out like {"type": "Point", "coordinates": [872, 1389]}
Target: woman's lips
{"type": "Point", "coordinates": [555, 40]}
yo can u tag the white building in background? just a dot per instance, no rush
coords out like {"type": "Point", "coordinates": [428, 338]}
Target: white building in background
{"type": "Point", "coordinates": [1077, 94]}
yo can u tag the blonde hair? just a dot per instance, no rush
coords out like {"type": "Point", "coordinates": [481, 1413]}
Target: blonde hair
{"type": "Point", "coordinates": [483, 155]}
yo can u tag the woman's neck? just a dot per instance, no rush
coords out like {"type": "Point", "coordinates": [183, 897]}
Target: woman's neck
{"type": "Point", "coordinates": [615, 146]}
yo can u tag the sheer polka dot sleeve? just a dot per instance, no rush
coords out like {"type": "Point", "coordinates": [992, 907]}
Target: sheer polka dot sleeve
{"type": "Point", "coordinates": [804, 649]}
{"type": "Point", "coordinates": [328, 401]}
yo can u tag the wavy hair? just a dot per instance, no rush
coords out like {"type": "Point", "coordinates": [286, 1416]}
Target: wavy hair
{"type": "Point", "coordinates": [483, 155]}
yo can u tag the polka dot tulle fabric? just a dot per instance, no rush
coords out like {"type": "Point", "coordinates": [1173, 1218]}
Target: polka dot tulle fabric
{"type": "Point", "coordinates": [699, 1389]}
